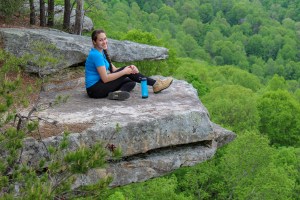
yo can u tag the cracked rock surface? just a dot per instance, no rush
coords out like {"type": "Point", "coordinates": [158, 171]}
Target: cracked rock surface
{"type": "Point", "coordinates": [157, 135]}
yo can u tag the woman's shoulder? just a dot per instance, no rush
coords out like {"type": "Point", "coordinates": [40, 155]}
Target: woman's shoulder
{"type": "Point", "coordinates": [95, 53]}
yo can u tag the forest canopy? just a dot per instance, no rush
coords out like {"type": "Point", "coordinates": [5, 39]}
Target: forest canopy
{"type": "Point", "coordinates": [242, 57]}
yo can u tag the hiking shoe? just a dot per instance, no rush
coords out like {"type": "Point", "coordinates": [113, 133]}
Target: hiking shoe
{"type": "Point", "coordinates": [118, 95]}
{"type": "Point", "coordinates": [160, 85]}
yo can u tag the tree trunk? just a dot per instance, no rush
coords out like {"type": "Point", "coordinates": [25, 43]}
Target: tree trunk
{"type": "Point", "coordinates": [32, 12]}
{"type": "Point", "coordinates": [67, 15]}
{"type": "Point", "coordinates": [79, 17]}
{"type": "Point", "coordinates": [42, 13]}
{"type": "Point", "coordinates": [50, 13]}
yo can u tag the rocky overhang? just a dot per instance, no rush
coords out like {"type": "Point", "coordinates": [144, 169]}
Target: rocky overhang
{"type": "Point", "coordinates": [157, 135]}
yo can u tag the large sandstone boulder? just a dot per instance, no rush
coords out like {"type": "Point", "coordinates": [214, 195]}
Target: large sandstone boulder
{"type": "Point", "coordinates": [158, 134]}
{"type": "Point", "coordinates": [45, 44]}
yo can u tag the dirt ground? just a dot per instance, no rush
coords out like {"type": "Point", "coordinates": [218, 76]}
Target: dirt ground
{"type": "Point", "coordinates": [17, 21]}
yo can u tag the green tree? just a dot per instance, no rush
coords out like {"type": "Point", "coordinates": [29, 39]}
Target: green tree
{"type": "Point", "coordinates": [280, 118]}
{"type": "Point", "coordinates": [257, 66]}
{"type": "Point", "coordinates": [189, 44]}
{"type": "Point", "coordinates": [188, 9]}
{"type": "Point", "coordinates": [272, 42]}
{"type": "Point", "coordinates": [292, 86]}
{"type": "Point", "coordinates": [193, 28]}
{"type": "Point", "coordinates": [254, 45]}
{"type": "Point", "coordinates": [201, 88]}
{"type": "Point", "coordinates": [136, 16]}
{"type": "Point", "coordinates": [223, 6]}
{"type": "Point", "coordinates": [142, 37]}
{"type": "Point", "coordinates": [288, 158]}
{"type": "Point", "coordinates": [288, 52]}
{"type": "Point", "coordinates": [210, 38]}
{"type": "Point", "coordinates": [169, 12]}
{"type": "Point", "coordinates": [238, 12]}
{"type": "Point", "coordinates": [276, 83]}
{"type": "Point", "coordinates": [10, 7]}
{"type": "Point", "coordinates": [152, 6]}
{"type": "Point", "coordinates": [159, 188]}
{"type": "Point", "coordinates": [249, 170]}
{"type": "Point", "coordinates": [206, 12]}
{"type": "Point", "coordinates": [297, 94]}
{"type": "Point", "coordinates": [276, 11]}
{"type": "Point", "coordinates": [233, 106]}
{"type": "Point", "coordinates": [121, 20]}
{"type": "Point", "coordinates": [152, 20]}
{"type": "Point", "coordinates": [149, 68]}
{"type": "Point", "coordinates": [232, 53]}
{"type": "Point", "coordinates": [292, 70]}
{"type": "Point", "coordinates": [231, 75]}
{"type": "Point", "coordinates": [202, 181]}
{"type": "Point", "coordinates": [220, 23]}
{"type": "Point", "coordinates": [272, 67]}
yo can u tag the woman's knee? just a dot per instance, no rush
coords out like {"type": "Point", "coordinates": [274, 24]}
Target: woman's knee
{"type": "Point", "coordinates": [128, 86]}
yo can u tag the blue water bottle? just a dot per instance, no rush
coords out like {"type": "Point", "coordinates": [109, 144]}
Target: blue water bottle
{"type": "Point", "coordinates": [144, 88]}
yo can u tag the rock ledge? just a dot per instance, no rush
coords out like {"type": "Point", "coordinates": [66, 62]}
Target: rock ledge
{"type": "Point", "coordinates": [158, 134]}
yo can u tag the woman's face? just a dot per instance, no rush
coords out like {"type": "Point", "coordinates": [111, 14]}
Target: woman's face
{"type": "Point", "coordinates": [101, 42]}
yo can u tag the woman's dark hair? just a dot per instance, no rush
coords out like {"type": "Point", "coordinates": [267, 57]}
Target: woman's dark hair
{"type": "Point", "coordinates": [95, 34]}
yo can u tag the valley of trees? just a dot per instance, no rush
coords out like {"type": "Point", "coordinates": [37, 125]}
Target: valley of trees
{"type": "Point", "coordinates": [243, 57]}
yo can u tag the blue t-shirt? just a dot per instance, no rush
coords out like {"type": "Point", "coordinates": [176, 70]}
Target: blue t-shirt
{"type": "Point", "coordinates": [94, 60]}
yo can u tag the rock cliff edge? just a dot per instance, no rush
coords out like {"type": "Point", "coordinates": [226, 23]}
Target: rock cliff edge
{"type": "Point", "coordinates": [158, 134]}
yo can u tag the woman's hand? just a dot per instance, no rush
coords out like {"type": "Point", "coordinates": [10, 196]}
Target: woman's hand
{"type": "Point", "coordinates": [128, 70]}
{"type": "Point", "coordinates": [134, 69]}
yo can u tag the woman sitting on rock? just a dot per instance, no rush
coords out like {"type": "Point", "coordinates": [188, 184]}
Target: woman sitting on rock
{"type": "Point", "coordinates": [103, 79]}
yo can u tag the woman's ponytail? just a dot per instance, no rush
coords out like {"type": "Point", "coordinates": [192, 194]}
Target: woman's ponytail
{"type": "Point", "coordinates": [108, 59]}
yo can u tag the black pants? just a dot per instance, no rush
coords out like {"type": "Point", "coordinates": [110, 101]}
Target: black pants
{"type": "Point", "coordinates": [124, 83]}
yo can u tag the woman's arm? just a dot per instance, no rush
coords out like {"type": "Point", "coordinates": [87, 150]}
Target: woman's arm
{"type": "Point", "coordinates": [114, 68]}
{"type": "Point", "coordinates": [133, 67]}
{"type": "Point", "coordinates": [112, 76]}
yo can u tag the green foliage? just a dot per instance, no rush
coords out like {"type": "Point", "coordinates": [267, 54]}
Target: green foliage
{"type": "Point", "coordinates": [229, 33]}
{"type": "Point", "coordinates": [297, 94]}
{"type": "Point", "coordinates": [56, 181]}
{"type": "Point", "coordinates": [85, 158]}
{"type": "Point", "coordinates": [231, 53]}
{"type": "Point", "coordinates": [10, 81]}
{"type": "Point", "coordinates": [42, 55]}
{"type": "Point", "coordinates": [288, 158]}
{"type": "Point", "coordinates": [276, 83]}
{"type": "Point", "coordinates": [197, 84]}
{"type": "Point", "coordinates": [234, 76]}
{"type": "Point", "coordinates": [259, 37]}
{"type": "Point", "coordinates": [248, 168]}
{"type": "Point", "coordinates": [60, 99]}
{"type": "Point", "coordinates": [9, 7]}
{"type": "Point", "coordinates": [52, 176]}
{"type": "Point", "coordinates": [142, 37]}
{"type": "Point", "coordinates": [160, 188]}
{"type": "Point", "coordinates": [233, 106]}
{"type": "Point", "coordinates": [280, 118]}
{"type": "Point", "coordinates": [203, 181]}
{"type": "Point", "coordinates": [163, 67]}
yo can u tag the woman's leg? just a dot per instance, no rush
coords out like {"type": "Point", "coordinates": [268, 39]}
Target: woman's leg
{"type": "Point", "coordinates": [124, 83]}
{"type": "Point", "coordinates": [137, 77]}
{"type": "Point", "coordinates": [127, 85]}
{"type": "Point", "coordinates": [101, 90]}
